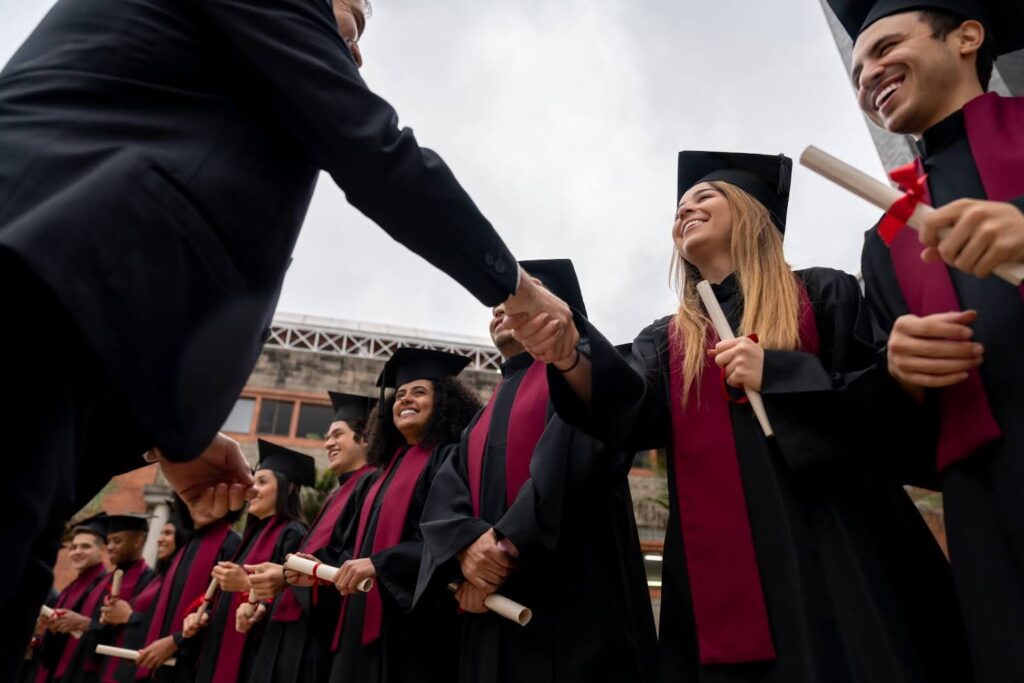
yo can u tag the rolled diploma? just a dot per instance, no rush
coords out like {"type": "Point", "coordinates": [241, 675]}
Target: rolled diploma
{"type": "Point", "coordinates": [725, 333]}
{"type": "Point", "coordinates": [324, 572]}
{"type": "Point", "coordinates": [210, 590]}
{"type": "Point", "coordinates": [883, 196]}
{"type": "Point", "coordinates": [115, 584]}
{"type": "Point", "coordinates": [502, 606]}
{"type": "Point", "coordinates": [121, 652]}
{"type": "Point", "coordinates": [47, 612]}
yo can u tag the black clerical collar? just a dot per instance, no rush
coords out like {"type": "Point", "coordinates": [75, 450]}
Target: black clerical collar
{"type": "Point", "coordinates": [942, 134]}
{"type": "Point", "coordinates": [726, 287]}
{"type": "Point", "coordinates": [515, 363]}
{"type": "Point", "coordinates": [345, 476]}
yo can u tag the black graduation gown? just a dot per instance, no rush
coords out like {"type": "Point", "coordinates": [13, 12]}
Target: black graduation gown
{"type": "Point", "coordinates": [53, 644]}
{"type": "Point", "coordinates": [99, 634]}
{"type": "Point", "coordinates": [189, 648]}
{"type": "Point", "coordinates": [579, 562]}
{"type": "Point", "coordinates": [982, 495]}
{"type": "Point", "coordinates": [301, 650]}
{"type": "Point", "coordinates": [855, 586]}
{"type": "Point", "coordinates": [414, 645]}
{"type": "Point", "coordinates": [223, 616]}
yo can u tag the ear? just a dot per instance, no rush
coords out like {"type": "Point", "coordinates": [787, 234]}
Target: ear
{"type": "Point", "coordinates": [970, 37]}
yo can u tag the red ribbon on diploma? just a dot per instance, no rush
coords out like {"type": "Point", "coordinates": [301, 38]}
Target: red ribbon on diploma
{"type": "Point", "coordinates": [914, 184]}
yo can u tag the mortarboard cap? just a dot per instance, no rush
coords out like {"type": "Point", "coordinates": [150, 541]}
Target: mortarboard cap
{"type": "Point", "coordinates": [97, 524]}
{"type": "Point", "coordinates": [299, 468]}
{"type": "Point", "coordinates": [408, 364]}
{"type": "Point", "coordinates": [128, 522]}
{"type": "Point", "coordinates": [765, 177]}
{"type": "Point", "coordinates": [350, 406]}
{"type": "Point", "coordinates": [1003, 19]}
{"type": "Point", "coordinates": [559, 276]}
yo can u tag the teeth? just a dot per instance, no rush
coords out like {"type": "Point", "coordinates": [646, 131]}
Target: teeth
{"type": "Point", "coordinates": [407, 411]}
{"type": "Point", "coordinates": [889, 89]}
{"type": "Point", "coordinates": [690, 223]}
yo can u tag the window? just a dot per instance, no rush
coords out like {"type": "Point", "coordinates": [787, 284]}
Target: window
{"type": "Point", "coordinates": [240, 418]}
{"type": "Point", "coordinates": [313, 421]}
{"type": "Point", "coordinates": [275, 417]}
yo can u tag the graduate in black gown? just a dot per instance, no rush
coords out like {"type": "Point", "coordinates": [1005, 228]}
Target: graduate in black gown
{"type": "Point", "coordinates": [297, 643]}
{"type": "Point", "coordinates": [57, 647]}
{"type": "Point", "coordinates": [209, 541]}
{"type": "Point", "coordinates": [273, 530]}
{"type": "Point", "coordinates": [379, 637]}
{"type": "Point", "coordinates": [952, 330]}
{"type": "Point", "coordinates": [783, 561]}
{"type": "Point", "coordinates": [126, 538]}
{"type": "Point", "coordinates": [137, 613]}
{"type": "Point", "coordinates": [536, 510]}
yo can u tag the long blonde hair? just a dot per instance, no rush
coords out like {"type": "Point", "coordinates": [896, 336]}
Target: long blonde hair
{"type": "Point", "coordinates": [768, 289]}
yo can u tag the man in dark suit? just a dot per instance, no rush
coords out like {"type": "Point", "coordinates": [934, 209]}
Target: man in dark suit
{"type": "Point", "coordinates": [158, 157]}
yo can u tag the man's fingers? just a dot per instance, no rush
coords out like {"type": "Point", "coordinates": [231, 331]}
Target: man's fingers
{"type": "Point", "coordinates": [935, 381]}
{"type": "Point", "coordinates": [953, 325]}
{"type": "Point", "coordinates": [935, 348]}
{"type": "Point", "coordinates": [936, 366]}
{"type": "Point", "coordinates": [236, 497]}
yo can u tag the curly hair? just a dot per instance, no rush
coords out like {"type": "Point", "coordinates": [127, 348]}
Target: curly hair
{"type": "Point", "coordinates": [455, 404]}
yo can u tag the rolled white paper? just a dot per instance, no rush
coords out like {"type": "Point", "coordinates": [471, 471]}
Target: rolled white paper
{"type": "Point", "coordinates": [115, 583]}
{"type": "Point", "coordinates": [47, 612]}
{"type": "Point", "coordinates": [883, 196]}
{"type": "Point", "coordinates": [210, 590]}
{"type": "Point", "coordinates": [725, 333]}
{"type": "Point", "coordinates": [123, 653]}
{"type": "Point", "coordinates": [324, 572]}
{"type": "Point", "coordinates": [502, 606]}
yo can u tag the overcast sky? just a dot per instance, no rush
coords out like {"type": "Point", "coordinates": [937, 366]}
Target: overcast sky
{"type": "Point", "coordinates": [562, 120]}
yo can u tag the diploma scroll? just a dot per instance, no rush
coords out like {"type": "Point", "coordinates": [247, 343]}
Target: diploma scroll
{"type": "Point", "coordinates": [115, 584]}
{"type": "Point", "coordinates": [123, 653]}
{"type": "Point", "coordinates": [883, 196]}
{"type": "Point", "coordinates": [324, 572]}
{"type": "Point", "coordinates": [48, 612]}
{"type": "Point", "coordinates": [502, 606]}
{"type": "Point", "coordinates": [210, 590]}
{"type": "Point", "coordinates": [725, 333]}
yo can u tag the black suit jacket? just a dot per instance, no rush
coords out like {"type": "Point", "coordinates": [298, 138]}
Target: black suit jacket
{"type": "Point", "coordinates": [157, 158]}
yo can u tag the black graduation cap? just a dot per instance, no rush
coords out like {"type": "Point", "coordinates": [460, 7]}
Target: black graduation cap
{"type": "Point", "coordinates": [97, 524]}
{"type": "Point", "coordinates": [408, 364]}
{"type": "Point", "coordinates": [1003, 19]}
{"type": "Point", "coordinates": [765, 177]}
{"type": "Point", "coordinates": [299, 468]}
{"type": "Point", "coordinates": [559, 276]}
{"type": "Point", "coordinates": [127, 523]}
{"type": "Point", "coordinates": [350, 406]}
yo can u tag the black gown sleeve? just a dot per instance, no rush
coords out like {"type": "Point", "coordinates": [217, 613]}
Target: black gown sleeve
{"type": "Point", "coordinates": [629, 408]}
{"type": "Point", "coordinates": [295, 55]}
{"type": "Point", "coordinates": [339, 548]}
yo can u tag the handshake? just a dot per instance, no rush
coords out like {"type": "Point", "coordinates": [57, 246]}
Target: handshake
{"type": "Point", "coordinates": [541, 322]}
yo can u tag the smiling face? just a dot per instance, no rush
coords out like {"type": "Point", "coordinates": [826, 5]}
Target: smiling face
{"type": "Point", "coordinates": [265, 503]}
{"type": "Point", "coordinates": [907, 79]}
{"type": "Point", "coordinates": [165, 545]}
{"type": "Point", "coordinates": [125, 546]}
{"type": "Point", "coordinates": [414, 404]}
{"type": "Point", "coordinates": [345, 451]}
{"type": "Point", "coordinates": [85, 551]}
{"type": "Point", "coordinates": [702, 230]}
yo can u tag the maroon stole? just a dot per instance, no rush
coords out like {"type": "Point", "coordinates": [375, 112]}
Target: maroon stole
{"type": "Point", "coordinates": [195, 585]}
{"type": "Point", "coordinates": [995, 133]}
{"type": "Point", "coordinates": [140, 602]}
{"type": "Point", "coordinates": [526, 421]}
{"type": "Point", "coordinates": [232, 643]}
{"type": "Point", "coordinates": [287, 607]}
{"type": "Point", "coordinates": [725, 582]}
{"type": "Point", "coordinates": [68, 598]}
{"type": "Point", "coordinates": [393, 510]}
{"type": "Point", "coordinates": [92, 603]}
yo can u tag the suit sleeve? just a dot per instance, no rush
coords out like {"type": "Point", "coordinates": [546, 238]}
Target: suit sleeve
{"type": "Point", "coordinates": [291, 52]}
